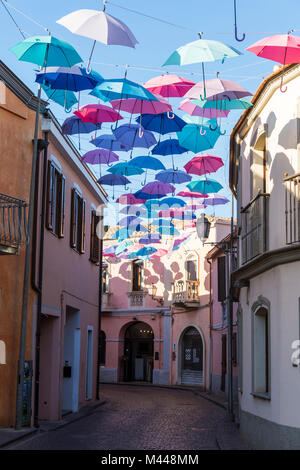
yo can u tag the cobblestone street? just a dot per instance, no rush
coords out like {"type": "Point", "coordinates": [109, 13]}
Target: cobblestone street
{"type": "Point", "coordinates": [144, 418]}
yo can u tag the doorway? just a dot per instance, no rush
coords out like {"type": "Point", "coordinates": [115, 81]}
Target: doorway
{"type": "Point", "coordinates": [71, 364]}
{"type": "Point", "coordinates": [192, 357]}
{"type": "Point", "coordinates": [138, 353]}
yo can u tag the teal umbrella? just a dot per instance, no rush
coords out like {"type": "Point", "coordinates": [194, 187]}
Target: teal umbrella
{"type": "Point", "coordinates": [46, 51]}
{"type": "Point", "coordinates": [225, 105]}
{"type": "Point", "coordinates": [65, 98]}
{"type": "Point", "coordinates": [205, 186]}
{"type": "Point", "coordinates": [125, 169]}
{"type": "Point", "coordinates": [122, 88]}
{"type": "Point", "coordinates": [197, 138]}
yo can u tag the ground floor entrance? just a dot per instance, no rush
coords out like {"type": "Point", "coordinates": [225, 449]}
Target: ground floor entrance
{"type": "Point", "coordinates": [192, 357]}
{"type": "Point", "coordinates": [138, 353]}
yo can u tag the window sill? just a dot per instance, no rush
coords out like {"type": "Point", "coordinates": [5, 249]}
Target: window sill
{"type": "Point", "coordinates": [263, 396]}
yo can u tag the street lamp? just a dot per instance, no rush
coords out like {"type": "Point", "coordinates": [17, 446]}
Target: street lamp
{"type": "Point", "coordinates": [203, 228]}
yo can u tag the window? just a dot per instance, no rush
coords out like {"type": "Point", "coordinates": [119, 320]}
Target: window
{"type": "Point", "coordinates": [102, 342]}
{"type": "Point", "coordinates": [137, 276]}
{"type": "Point", "coordinates": [95, 241]}
{"type": "Point", "coordinates": [55, 203]}
{"type": "Point", "coordinates": [191, 270]}
{"type": "Point", "coordinates": [221, 279]}
{"type": "Point", "coordinates": [224, 313]}
{"type": "Point", "coordinates": [77, 235]}
{"type": "Point", "coordinates": [261, 352]}
{"type": "Point", "coordinates": [258, 163]}
{"type": "Point", "coordinates": [105, 280]}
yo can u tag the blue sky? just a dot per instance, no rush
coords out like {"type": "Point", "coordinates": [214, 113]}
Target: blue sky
{"type": "Point", "coordinates": [157, 41]}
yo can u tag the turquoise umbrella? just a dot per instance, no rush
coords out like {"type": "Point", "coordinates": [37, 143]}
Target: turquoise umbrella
{"type": "Point", "coordinates": [168, 230]}
{"type": "Point", "coordinates": [125, 169]}
{"type": "Point", "coordinates": [122, 88]}
{"type": "Point", "coordinates": [225, 105]}
{"type": "Point", "coordinates": [65, 98]}
{"type": "Point", "coordinates": [46, 51]}
{"type": "Point", "coordinates": [197, 138]}
{"type": "Point", "coordinates": [162, 223]}
{"type": "Point", "coordinates": [123, 246]}
{"type": "Point", "coordinates": [205, 186]}
{"type": "Point", "coordinates": [171, 202]}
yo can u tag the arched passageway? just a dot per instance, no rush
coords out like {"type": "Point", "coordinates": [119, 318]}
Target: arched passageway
{"type": "Point", "coordinates": [138, 353]}
{"type": "Point", "coordinates": [191, 357]}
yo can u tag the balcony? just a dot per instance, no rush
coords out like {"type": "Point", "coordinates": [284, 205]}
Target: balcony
{"type": "Point", "coordinates": [186, 293]}
{"type": "Point", "coordinates": [136, 298]}
{"type": "Point", "coordinates": [13, 224]}
{"type": "Point", "coordinates": [292, 208]}
{"type": "Point", "coordinates": [106, 300]}
{"type": "Point", "coordinates": [254, 236]}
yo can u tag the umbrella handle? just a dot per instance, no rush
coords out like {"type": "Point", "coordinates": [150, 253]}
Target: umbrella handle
{"type": "Point", "coordinates": [235, 26]}
{"type": "Point", "coordinates": [211, 128]}
{"type": "Point", "coordinates": [281, 88]}
{"type": "Point", "coordinates": [202, 132]}
{"type": "Point", "coordinates": [222, 133]}
{"type": "Point", "coordinates": [68, 110]}
{"type": "Point", "coordinates": [141, 133]}
{"type": "Point", "coordinates": [169, 115]}
{"type": "Point", "coordinates": [227, 97]}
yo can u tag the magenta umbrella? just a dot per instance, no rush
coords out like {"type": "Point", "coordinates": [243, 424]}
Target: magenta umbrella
{"type": "Point", "coordinates": [137, 106]}
{"type": "Point", "coordinates": [159, 253]}
{"type": "Point", "coordinates": [156, 187]}
{"type": "Point", "coordinates": [192, 194]}
{"type": "Point", "coordinates": [217, 89]}
{"type": "Point", "coordinates": [97, 113]}
{"type": "Point", "coordinates": [202, 164]}
{"type": "Point", "coordinates": [195, 110]}
{"type": "Point", "coordinates": [169, 85]}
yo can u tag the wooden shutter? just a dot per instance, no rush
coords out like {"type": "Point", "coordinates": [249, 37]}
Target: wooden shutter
{"type": "Point", "coordinates": [73, 219]}
{"type": "Point", "coordinates": [60, 205]}
{"type": "Point", "coordinates": [81, 225]}
{"type": "Point", "coordinates": [221, 279]}
{"type": "Point", "coordinates": [49, 198]}
{"type": "Point", "coordinates": [95, 242]}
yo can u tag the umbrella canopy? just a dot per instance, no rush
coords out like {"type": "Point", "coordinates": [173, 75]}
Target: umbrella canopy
{"type": "Point", "coordinates": [46, 51]}
{"type": "Point", "coordinates": [150, 163]}
{"type": "Point", "coordinates": [191, 194]}
{"type": "Point", "coordinates": [150, 238]}
{"type": "Point", "coordinates": [168, 147]}
{"type": "Point", "coordinates": [161, 123]}
{"type": "Point", "coordinates": [129, 134]}
{"type": "Point", "coordinates": [173, 176]}
{"type": "Point", "coordinates": [169, 85]}
{"type": "Point", "coordinates": [130, 221]}
{"type": "Point", "coordinates": [173, 213]}
{"type": "Point", "coordinates": [217, 88]}
{"type": "Point", "coordinates": [156, 187]}
{"type": "Point", "coordinates": [74, 125]}
{"type": "Point", "coordinates": [224, 105]}
{"type": "Point", "coordinates": [179, 241]}
{"type": "Point", "coordinates": [123, 247]}
{"type": "Point", "coordinates": [100, 156]}
{"type": "Point", "coordinates": [159, 253]}
{"type": "Point", "coordinates": [192, 137]}
{"type": "Point", "coordinates": [194, 110]}
{"type": "Point", "coordinates": [122, 88]}
{"type": "Point", "coordinates": [139, 106]}
{"type": "Point", "coordinates": [133, 210]}
{"type": "Point", "coordinates": [162, 223]}
{"type": "Point", "coordinates": [67, 99]}
{"type": "Point", "coordinates": [202, 164]}
{"type": "Point", "coordinates": [171, 230]}
{"type": "Point", "coordinates": [129, 199]}
{"type": "Point", "coordinates": [146, 250]}
{"type": "Point", "coordinates": [113, 180]}
{"type": "Point", "coordinates": [195, 207]}
{"type": "Point", "coordinates": [172, 202]}
{"type": "Point", "coordinates": [97, 113]}
{"type": "Point", "coordinates": [109, 142]}
{"type": "Point", "coordinates": [66, 78]}
{"type": "Point", "coordinates": [125, 169]}
{"type": "Point", "coordinates": [99, 26]}
{"type": "Point", "coordinates": [282, 48]}
{"type": "Point", "coordinates": [146, 196]}
{"type": "Point", "coordinates": [216, 200]}
{"type": "Point", "coordinates": [205, 186]}
{"type": "Point", "coordinates": [202, 50]}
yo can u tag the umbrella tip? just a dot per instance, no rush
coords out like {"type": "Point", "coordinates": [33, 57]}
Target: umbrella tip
{"type": "Point", "coordinates": [200, 35]}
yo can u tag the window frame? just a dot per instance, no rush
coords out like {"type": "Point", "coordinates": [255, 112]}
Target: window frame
{"type": "Point", "coordinates": [140, 264]}
{"type": "Point", "coordinates": [77, 225]}
{"type": "Point", "coordinates": [55, 200]}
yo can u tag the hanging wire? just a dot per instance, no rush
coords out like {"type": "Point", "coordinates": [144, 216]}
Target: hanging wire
{"type": "Point", "coordinates": [12, 18]}
{"type": "Point", "coordinates": [25, 15]}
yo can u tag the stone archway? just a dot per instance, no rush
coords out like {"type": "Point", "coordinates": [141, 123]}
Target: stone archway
{"type": "Point", "coordinates": [138, 352]}
{"type": "Point", "coordinates": [191, 358]}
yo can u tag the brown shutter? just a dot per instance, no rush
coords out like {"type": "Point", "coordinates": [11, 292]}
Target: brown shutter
{"type": "Point", "coordinates": [81, 225]}
{"type": "Point", "coordinates": [49, 198]}
{"type": "Point", "coordinates": [73, 219]}
{"type": "Point", "coordinates": [61, 206]}
{"type": "Point", "coordinates": [95, 242]}
{"type": "Point", "coordinates": [221, 279]}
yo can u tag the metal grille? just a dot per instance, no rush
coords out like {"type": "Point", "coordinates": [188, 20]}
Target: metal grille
{"type": "Point", "coordinates": [255, 227]}
{"type": "Point", "coordinates": [292, 208]}
{"type": "Point", "coordinates": [13, 222]}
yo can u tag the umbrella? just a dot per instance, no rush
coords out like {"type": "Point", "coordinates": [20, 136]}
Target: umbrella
{"type": "Point", "coordinates": [130, 221]}
{"type": "Point", "coordinates": [99, 156]}
{"type": "Point", "coordinates": [179, 241]}
{"type": "Point", "coordinates": [168, 147]}
{"type": "Point", "coordinates": [66, 78]}
{"type": "Point", "coordinates": [168, 230]}
{"type": "Point", "coordinates": [125, 169]}
{"type": "Point", "coordinates": [99, 26]}
{"type": "Point", "coordinates": [156, 187]}
{"type": "Point", "coordinates": [192, 137]}
{"type": "Point", "coordinates": [123, 246]}
{"type": "Point", "coordinates": [122, 88]}
{"type": "Point", "coordinates": [159, 253]}
{"type": "Point", "coordinates": [205, 186]}
{"type": "Point", "coordinates": [161, 123]}
{"type": "Point", "coordinates": [194, 110]}
{"type": "Point", "coordinates": [224, 105]}
{"type": "Point", "coordinates": [172, 202]}
{"type": "Point", "coordinates": [109, 142]}
{"type": "Point", "coordinates": [150, 163]}
{"type": "Point", "coordinates": [74, 125]}
{"type": "Point", "coordinates": [173, 176]}
{"type": "Point", "coordinates": [133, 210]}
{"type": "Point", "coordinates": [139, 106]}
{"type": "Point", "coordinates": [46, 51]}
{"type": "Point", "coordinates": [196, 207]}
{"type": "Point", "coordinates": [146, 196]}
{"type": "Point", "coordinates": [215, 200]}
{"type": "Point", "coordinates": [202, 164]}
{"type": "Point", "coordinates": [169, 85]}
{"type": "Point", "coordinates": [110, 250]}
{"type": "Point", "coordinates": [129, 199]}
{"type": "Point", "coordinates": [162, 223]}
{"type": "Point", "coordinates": [130, 135]}
{"type": "Point", "coordinates": [67, 99]}
{"type": "Point", "coordinates": [113, 180]}
{"type": "Point", "coordinates": [217, 88]}
{"type": "Point", "coordinates": [173, 213]}
{"type": "Point", "coordinates": [146, 250]}
{"type": "Point", "coordinates": [97, 113]}
{"type": "Point", "coordinates": [191, 194]}
{"type": "Point", "coordinates": [150, 238]}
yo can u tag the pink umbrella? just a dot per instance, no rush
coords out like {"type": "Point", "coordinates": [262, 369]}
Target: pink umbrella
{"type": "Point", "coordinates": [195, 110]}
{"type": "Point", "coordinates": [282, 48]}
{"type": "Point", "coordinates": [192, 194]}
{"type": "Point", "coordinates": [195, 207]}
{"type": "Point", "coordinates": [137, 106]}
{"type": "Point", "coordinates": [129, 199]}
{"type": "Point", "coordinates": [156, 187]}
{"type": "Point", "coordinates": [97, 113]}
{"type": "Point", "coordinates": [159, 253]}
{"type": "Point", "coordinates": [169, 85]}
{"type": "Point", "coordinates": [177, 211]}
{"type": "Point", "coordinates": [217, 89]}
{"type": "Point", "coordinates": [202, 164]}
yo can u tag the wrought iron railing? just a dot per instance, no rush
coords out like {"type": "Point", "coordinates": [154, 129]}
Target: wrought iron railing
{"type": "Point", "coordinates": [292, 208]}
{"type": "Point", "coordinates": [186, 292]}
{"type": "Point", "coordinates": [136, 298]}
{"type": "Point", "coordinates": [13, 223]}
{"type": "Point", "coordinates": [254, 234]}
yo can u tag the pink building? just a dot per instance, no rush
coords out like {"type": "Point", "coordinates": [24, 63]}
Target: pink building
{"type": "Point", "coordinates": [156, 313]}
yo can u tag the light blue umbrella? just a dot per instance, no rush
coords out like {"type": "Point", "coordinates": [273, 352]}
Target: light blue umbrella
{"type": "Point", "coordinates": [162, 223]}
{"type": "Point", "coordinates": [146, 251]}
{"type": "Point", "coordinates": [122, 88]}
{"type": "Point", "coordinates": [67, 99]}
{"type": "Point", "coordinates": [168, 231]}
{"type": "Point", "coordinates": [150, 163]}
{"type": "Point", "coordinates": [124, 168]}
{"type": "Point", "coordinates": [123, 246]}
{"type": "Point", "coordinates": [197, 138]}
{"type": "Point", "coordinates": [173, 176]}
{"type": "Point", "coordinates": [205, 186]}
{"type": "Point", "coordinates": [172, 202]}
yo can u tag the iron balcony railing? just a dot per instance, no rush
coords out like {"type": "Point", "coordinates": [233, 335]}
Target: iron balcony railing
{"type": "Point", "coordinates": [186, 292]}
{"type": "Point", "coordinates": [13, 224]}
{"type": "Point", "coordinates": [292, 208]}
{"type": "Point", "coordinates": [254, 234]}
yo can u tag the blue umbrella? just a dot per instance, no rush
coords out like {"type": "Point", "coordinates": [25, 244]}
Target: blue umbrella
{"type": "Point", "coordinates": [109, 142]}
{"type": "Point", "coordinates": [122, 88]}
{"type": "Point", "coordinates": [146, 251]}
{"type": "Point", "coordinates": [133, 136]}
{"type": "Point", "coordinates": [66, 78]}
{"type": "Point", "coordinates": [123, 246]}
{"type": "Point", "coordinates": [122, 233]}
{"type": "Point", "coordinates": [161, 123]}
{"type": "Point", "coordinates": [74, 125]}
{"type": "Point", "coordinates": [113, 180]}
{"type": "Point", "coordinates": [67, 99]}
{"type": "Point", "coordinates": [146, 196]}
{"type": "Point", "coordinates": [150, 163]}
{"type": "Point", "coordinates": [133, 210]}
{"type": "Point", "coordinates": [168, 147]}
{"type": "Point", "coordinates": [130, 221]}
{"type": "Point", "coordinates": [172, 202]}
{"type": "Point", "coordinates": [173, 176]}
{"type": "Point", "coordinates": [150, 238]}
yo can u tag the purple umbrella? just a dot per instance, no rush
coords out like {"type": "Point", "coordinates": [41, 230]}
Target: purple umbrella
{"type": "Point", "coordinates": [133, 135]}
{"type": "Point", "coordinates": [173, 176]}
{"type": "Point", "coordinates": [113, 180]}
{"type": "Point", "coordinates": [74, 125]}
{"type": "Point", "coordinates": [150, 238]}
{"type": "Point", "coordinates": [219, 89]}
{"type": "Point", "coordinates": [158, 188]}
{"type": "Point", "coordinates": [109, 142]}
{"type": "Point", "coordinates": [100, 156]}
{"type": "Point", "coordinates": [130, 221]}
{"type": "Point", "coordinates": [216, 200]}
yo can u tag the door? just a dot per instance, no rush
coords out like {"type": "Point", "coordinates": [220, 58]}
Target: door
{"type": "Point", "coordinates": [192, 358]}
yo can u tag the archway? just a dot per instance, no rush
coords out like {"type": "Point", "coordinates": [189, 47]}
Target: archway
{"type": "Point", "coordinates": [138, 353]}
{"type": "Point", "coordinates": [191, 359]}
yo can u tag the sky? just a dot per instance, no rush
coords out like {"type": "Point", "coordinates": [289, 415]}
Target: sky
{"type": "Point", "coordinates": [167, 25]}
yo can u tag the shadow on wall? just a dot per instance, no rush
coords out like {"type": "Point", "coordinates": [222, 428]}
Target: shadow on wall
{"type": "Point", "coordinates": [288, 134]}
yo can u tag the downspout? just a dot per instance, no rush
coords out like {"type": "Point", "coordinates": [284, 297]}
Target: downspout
{"type": "Point", "coordinates": [99, 317]}
{"type": "Point", "coordinates": [210, 329]}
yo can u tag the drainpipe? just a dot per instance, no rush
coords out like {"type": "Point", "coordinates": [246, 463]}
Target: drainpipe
{"type": "Point", "coordinates": [43, 144]}
{"type": "Point", "coordinates": [99, 317]}
{"type": "Point", "coordinates": [210, 328]}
